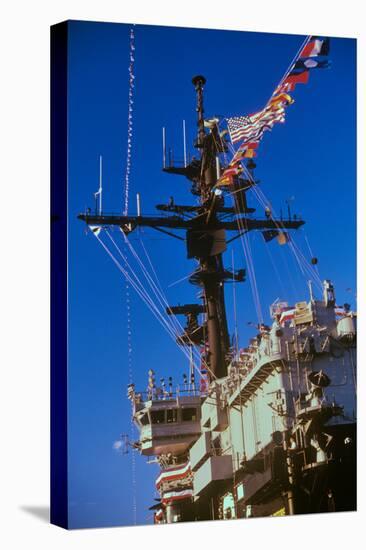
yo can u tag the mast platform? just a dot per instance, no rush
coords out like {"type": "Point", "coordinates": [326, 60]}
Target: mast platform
{"type": "Point", "coordinates": [178, 222]}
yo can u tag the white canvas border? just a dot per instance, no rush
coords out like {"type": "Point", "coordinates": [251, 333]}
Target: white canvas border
{"type": "Point", "coordinates": [25, 271]}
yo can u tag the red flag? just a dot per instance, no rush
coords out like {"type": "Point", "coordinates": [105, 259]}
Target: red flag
{"type": "Point", "coordinates": [252, 145]}
{"type": "Point", "coordinates": [317, 46]}
{"type": "Point", "coordinates": [300, 78]}
{"type": "Point", "coordinates": [233, 169]}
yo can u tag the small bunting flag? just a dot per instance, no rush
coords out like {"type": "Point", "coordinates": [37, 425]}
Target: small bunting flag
{"type": "Point", "coordinates": [249, 129]}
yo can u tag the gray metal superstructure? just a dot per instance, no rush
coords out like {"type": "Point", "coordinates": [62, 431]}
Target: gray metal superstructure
{"type": "Point", "coordinates": [267, 437]}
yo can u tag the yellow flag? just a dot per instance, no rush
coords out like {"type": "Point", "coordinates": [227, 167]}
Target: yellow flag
{"type": "Point", "coordinates": [282, 98]}
{"type": "Point", "coordinates": [225, 180]}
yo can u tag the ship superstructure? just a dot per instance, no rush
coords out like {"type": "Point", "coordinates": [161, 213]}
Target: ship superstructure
{"type": "Point", "coordinates": [265, 430]}
{"type": "Point", "coordinates": [276, 436]}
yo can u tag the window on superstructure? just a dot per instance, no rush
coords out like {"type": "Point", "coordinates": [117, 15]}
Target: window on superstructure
{"type": "Point", "coordinates": [172, 415]}
{"type": "Point", "coordinates": [157, 417]}
{"type": "Point", "coordinates": [189, 415]}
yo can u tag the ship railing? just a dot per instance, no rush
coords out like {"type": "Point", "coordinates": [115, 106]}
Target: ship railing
{"type": "Point", "coordinates": [176, 162]}
{"type": "Point", "coordinates": [158, 394]}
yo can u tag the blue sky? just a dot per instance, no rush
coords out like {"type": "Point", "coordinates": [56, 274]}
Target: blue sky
{"type": "Point", "coordinates": [311, 158]}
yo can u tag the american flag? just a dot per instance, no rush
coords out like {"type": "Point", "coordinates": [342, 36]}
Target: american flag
{"type": "Point", "coordinates": [251, 128]}
{"type": "Point", "coordinates": [238, 126]}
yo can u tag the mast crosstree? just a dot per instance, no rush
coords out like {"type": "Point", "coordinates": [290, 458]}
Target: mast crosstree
{"type": "Point", "coordinates": [205, 225]}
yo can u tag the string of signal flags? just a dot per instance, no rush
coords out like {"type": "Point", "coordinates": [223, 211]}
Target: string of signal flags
{"type": "Point", "coordinates": [249, 130]}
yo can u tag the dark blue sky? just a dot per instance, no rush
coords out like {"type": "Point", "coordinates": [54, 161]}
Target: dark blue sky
{"type": "Point", "coordinates": [311, 158]}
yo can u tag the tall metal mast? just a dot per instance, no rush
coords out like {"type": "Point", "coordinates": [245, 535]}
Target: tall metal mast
{"type": "Point", "coordinates": [211, 264]}
{"type": "Point", "coordinates": [205, 226]}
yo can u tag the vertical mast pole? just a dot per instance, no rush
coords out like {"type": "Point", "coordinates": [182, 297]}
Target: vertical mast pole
{"type": "Point", "coordinates": [199, 82]}
{"type": "Point", "coordinates": [217, 333]}
{"type": "Point", "coordinates": [234, 302]}
{"type": "Point", "coordinates": [100, 183]}
{"type": "Point", "coordinates": [311, 291]}
{"type": "Point", "coordinates": [184, 144]}
{"type": "Point", "coordinates": [164, 149]}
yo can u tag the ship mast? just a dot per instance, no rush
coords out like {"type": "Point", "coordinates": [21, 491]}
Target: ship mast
{"type": "Point", "coordinates": [205, 226]}
{"type": "Point", "coordinates": [211, 265]}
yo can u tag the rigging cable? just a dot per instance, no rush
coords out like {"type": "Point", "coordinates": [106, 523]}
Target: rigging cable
{"type": "Point", "coordinates": [139, 289]}
{"type": "Point", "coordinates": [159, 293]}
{"type": "Point", "coordinates": [131, 72]}
{"type": "Point", "coordinates": [275, 269]}
{"type": "Point", "coordinates": [234, 304]}
{"type": "Point", "coordinates": [243, 230]}
{"type": "Point", "coordinates": [264, 202]}
{"type": "Point", "coordinates": [299, 256]}
{"type": "Point", "coordinates": [302, 262]}
{"type": "Point", "coordinates": [297, 253]}
{"type": "Point", "coordinates": [127, 288]}
{"type": "Point", "coordinates": [307, 39]}
{"type": "Point", "coordinates": [130, 381]}
{"type": "Point", "coordinates": [244, 239]}
{"type": "Point", "coordinates": [135, 282]}
{"type": "Point", "coordinates": [310, 252]}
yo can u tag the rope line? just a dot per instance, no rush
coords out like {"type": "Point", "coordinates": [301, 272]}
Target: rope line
{"type": "Point", "coordinates": [131, 71]}
{"type": "Point", "coordinates": [302, 262]}
{"type": "Point", "coordinates": [161, 296]}
{"type": "Point", "coordinates": [127, 288]}
{"type": "Point", "coordinates": [307, 39]}
{"type": "Point", "coordinates": [135, 282]}
{"type": "Point", "coordinates": [130, 381]}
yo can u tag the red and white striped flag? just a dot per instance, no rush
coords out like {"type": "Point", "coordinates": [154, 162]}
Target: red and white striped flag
{"type": "Point", "coordinates": [252, 127]}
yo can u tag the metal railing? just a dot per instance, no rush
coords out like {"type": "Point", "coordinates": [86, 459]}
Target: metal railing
{"type": "Point", "coordinates": [159, 394]}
